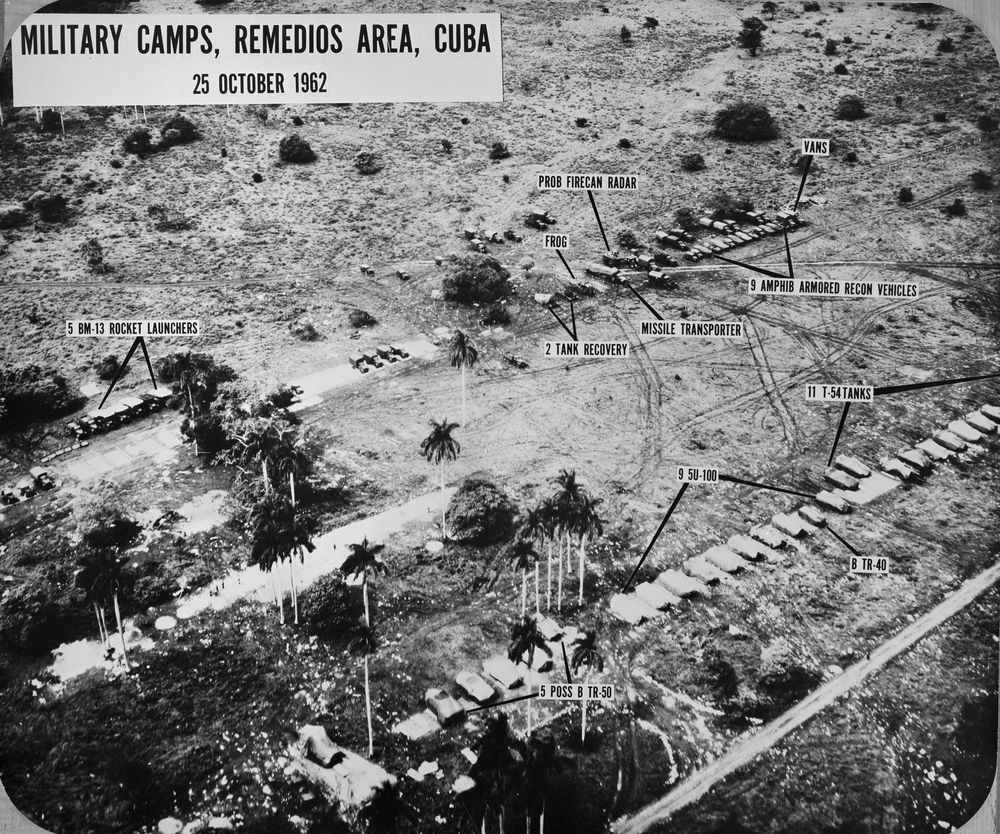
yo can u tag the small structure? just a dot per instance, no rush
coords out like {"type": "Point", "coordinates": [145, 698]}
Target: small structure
{"type": "Point", "coordinates": [840, 478]}
{"type": "Point", "coordinates": [656, 596]}
{"type": "Point", "coordinates": [852, 466]}
{"type": "Point", "coordinates": [446, 708]}
{"type": "Point", "coordinates": [475, 687]}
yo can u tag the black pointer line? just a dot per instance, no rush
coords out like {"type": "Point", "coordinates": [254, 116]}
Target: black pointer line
{"type": "Point", "coordinates": [139, 342]}
{"type": "Point", "coordinates": [759, 269]}
{"type": "Point", "coordinates": [916, 386]}
{"type": "Point", "coordinates": [656, 535]}
{"type": "Point", "coordinates": [805, 173]}
{"type": "Point", "coordinates": [572, 312]}
{"type": "Point", "coordinates": [501, 703]}
{"type": "Point", "coordinates": [569, 677]}
{"type": "Point", "coordinates": [788, 254]}
{"type": "Point", "coordinates": [643, 300]}
{"type": "Point", "coordinates": [733, 480]}
{"type": "Point", "coordinates": [600, 225]}
{"type": "Point", "coordinates": [561, 258]}
{"type": "Point", "coordinates": [840, 428]}
{"type": "Point", "coordinates": [571, 333]}
{"type": "Point", "coordinates": [840, 539]}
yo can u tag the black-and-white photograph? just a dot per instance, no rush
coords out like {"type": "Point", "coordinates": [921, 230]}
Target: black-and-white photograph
{"type": "Point", "coordinates": [616, 452]}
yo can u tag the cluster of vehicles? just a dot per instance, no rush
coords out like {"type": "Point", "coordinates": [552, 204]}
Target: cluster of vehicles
{"type": "Point", "coordinates": [39, 481]}
{"type": "Point", "coordinates": [537, 219]}
{"type": "Point", "coordinates": [732, 234]}
{"type": "Point", "coordinates": [124, 411]}
{"type": "Point", "coordinates": [376, 357]}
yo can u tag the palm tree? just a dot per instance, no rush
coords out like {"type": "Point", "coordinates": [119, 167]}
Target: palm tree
{"type": "Point", "coordinates": [463, 355]}
{"type": "Point", "coordinates": [363, 561]}
{"type": "Point", "coordinates": [438, 447]}
{"type": "Point", "coordinates": [104, 577]}
{"type": "Point", "coordinates": [588, 525]}
{"type": "Point", "coordinates": [190, 376]}
{"type": "Point", "coordinates": [534, 528]}
{"type": "Point", "coordinates": [543, 761]}
{"type": "Point", "coordinates": [365, 643]}
{"type": "Point", "coordinates": [277, 535]}
{"type": "Point", "coordinates": [550, 524]}
{"type": "Point", "coordinates": [567, 499]}
{"type": "Point", "coordinates": [522, 554]}
{"type": "Point", "coordinates": [498, 755]}
{"type": "Point", "coordinates": [586, 653]}
{"type": "Point", "coordinates": [524, 639]}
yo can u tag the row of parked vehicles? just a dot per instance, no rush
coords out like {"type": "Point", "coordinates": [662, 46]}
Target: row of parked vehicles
{"type": "Point", "coordinates": [376, 357]}
{"type": "Point", "coordinates": [39, 480]}
{"type": "Point", "coordinates": [731, 234]}
{"type": "Point", "coordinates": [124, 411]}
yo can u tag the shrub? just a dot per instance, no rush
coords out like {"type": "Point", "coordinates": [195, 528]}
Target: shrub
{"type": "Point", "coordinates": [168, 219]}
{"type": "Point", "coordinates": [831, 47]}
{"type": "Point", "coordinates": [495, 315]}
{"type": "Point", "coordinates": [368, 163]}
{"type": "Point", "coordinates": [93, 253]}
{"type": "Point", "coordinates": [745, 121]}
{"type": "Point", "coordinates": [499, 150]}
{"type": "Point", "coordinates": [627, 240]}
{"type": "Point", "coordinates": [850, 107]}
{"type": "Point", "coordinates": [693, 162]}
{"type": "Point", "coordinates": [330, 607]}
{"type": "Point", "coordinates": [43, 612]}
{"type": "Point", "coordinates": [361, 318]}
{"type": "Point", "coordinates": [725, 205]}
{"type": "Point", "coordinates": [752, 34]}
{"type": "Point", "coordinates": [52, 208]}
{"type": "Point", "coordinates": [940, 117]}
{"type": "Point", "coordinates": [581, 121]}
{"type": "Point", "coordinates": [107, 367]}
{"type": "Point", "coordinates": [304, 330]}
{"type": "Point", "coordinates": [840, 69]}
{"type": "Point", "coordinates": [650, 23]}
{"type": "Point", "coordinates": [782, 676]}
{"type": "Point", "coordinates": [12, 217]}
{"type": "Point", "coordinates": [981, 180]}
{"type": "Point", "coordinates": [34, 394]}
{"type": "Point", "coordinates": [847, 39]}
{"type": "Point", "coordinates": [810, 6]}
{"type": "Point", "coordinates": [103, 517]}
{"type": "Point", "coordinates": [480, 511]}
{"type": "Point", "coordinates": [178, 130]}
{"type": "Point", "coordinates": [987, 123]}
{"type": "Point", "coordinates": [624, 144]}
{"type": "Point", "coordinates": [956, 209]}
{"type": "Point", "coordinates": [139, 142]}
{"type": "Point", "coordinates": [202, 366]}
{"type": "Point", "coordinates": [851, 156]}
{"type": "Point", "coordinates": [293, 148]}
{"type": "Point", "coordinates": [625, 34]}
{"type": "Point", "coordinates": [905, 195]}
{"type": "Point", "coordinates": [446, 146]}
{"type": "Point", "coordinates": [686, 218]}
{"type": "Point", "coordinates": [477, 279]}
{"type": "Point", "coordinates": [946, 45]}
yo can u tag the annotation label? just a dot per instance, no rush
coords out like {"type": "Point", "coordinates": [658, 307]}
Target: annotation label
{"type": "Point", "coordinates": [587, 349]}
{"type": "Point", "coordinates": [816, 147]}
{"type": "Point", "coordinates": [840, 393]}
{"type": "Point", "coordinates": [576, 691]}
{"type": "Point", "coordinates": [865, 564]}
{"type": "Point", "coordinates": [683, 328]}
{"type": "Point", "coordinates": [130, 327]}
{"type": "Point", "coordinates": [588, 182]}
{"type": "Point", "coordinates": [694, 475]}
{"type": "Point", "coordinates": [832, 289]}
{"type": "Point", "coordinates": [555, 241]}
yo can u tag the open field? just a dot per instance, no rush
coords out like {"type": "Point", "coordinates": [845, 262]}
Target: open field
{"type": "Point", "coordinates": [224, 689]}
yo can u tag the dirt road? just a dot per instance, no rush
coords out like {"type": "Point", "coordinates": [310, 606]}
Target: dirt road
{"type": "Point", "coordinates": [701, 781]}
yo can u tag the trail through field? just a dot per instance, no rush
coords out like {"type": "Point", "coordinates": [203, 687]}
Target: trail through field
{"type": "Point", "coordinates": [702, 781]}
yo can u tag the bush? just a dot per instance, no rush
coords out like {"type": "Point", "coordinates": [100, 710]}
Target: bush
{"type": "Point", "coordinates": [831, 47]}
{"type": "Point", "coordinates": [905, 195]}
{"type": "Point", "coordinates": [43, 612]}
{"type": "Point", "coordinates": [178, 130]}
{"type": "Point", "coordinates": [499, 150]}
{"type": "Point", "coordinates": [625, 34]}
{"type": "Point", "coordinates": [851, 156]}
{"type": "Point", "coordinates": [479, 279]}
{"type": "Point", "coordinates": [294, 148]}
{"type": "Point", "coordinates": [168, 219]}
{"type": "Point", "coordinates": [940, 117]}
{"type": "Point", "coordinates": [361, 318]}
{"type": "Point", "coordinates": [850, 107]}
{"type": "Point", "coordinates": [810, 6]}
{"type": "Point", "coordinates": [107, 367]}
{"type": "Point", "coordinates": [745, 121]}
{"type": "Point", "coordinates": [956, 209]}
{"type": "Point", "coordinates": [480, 511]}
{"type": "Point", "coordinates": [581, 121]}
{"type": "Point", "coordinates": [946, 45]}
{"type": "Point", "coordinates": [304, 330]}
{"type": "Point", "coordinates": [693, 162]}
{"type": "Point", "coordinates": [139, 142]}
{"type": "Point", "coordinates": [987, 124]}
{"type": "Point", "coordinates": [725, 205]}
{"type": "Point", "coordinates": [981, 180]}
{"type": "Point", "coordinates": [624, 144]}
{"type": "Point", "coordinates": [330, 607]}
{"type": "Point", "coordinates": [840, 69]}
{"type": "Point", "coordinates": [12, 216]}
{"type": "Point", "coordinates": [627, 240]}
{"type": "Point", "coordinates": [368, 163]}
{"type": "Point", "coordinates": [34, 394]}
{"type": "Point", "coordinates": [495, 315]}
{"type": "Point", "coordinates": [686, 218]}
{"type": "Point", "coordinates": [783, 676]}
{"type": "Point", "coordinates": [52, 208]}
{"type": "Point", "coordinates": [93, 254]}
{"type": "Point", "coordinates": [446, 146]}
